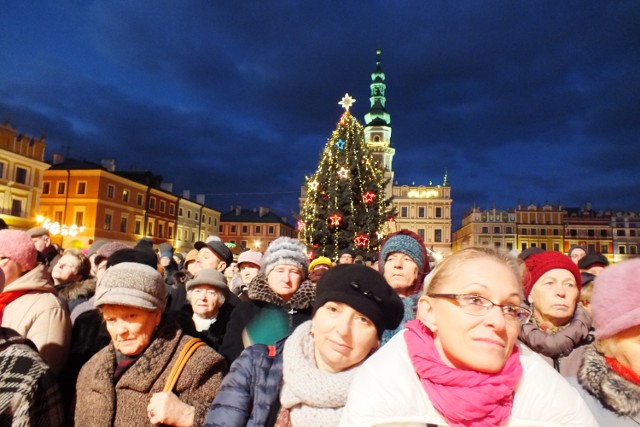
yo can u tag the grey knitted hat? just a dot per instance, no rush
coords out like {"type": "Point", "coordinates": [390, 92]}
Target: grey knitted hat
{"type": "Point", "coordinates": [132, 284]}
{"type": "Point", "coordinates": [288, 251]}
{"type": "Point", "coordinates": [208, 276]}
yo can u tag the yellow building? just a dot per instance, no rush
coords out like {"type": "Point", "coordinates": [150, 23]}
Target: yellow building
{"type": "Point", "coordinates": [540, 227]}
{"type": "Point", "coordinates": [493, 227]}
{"type": "Point", "coordinates": [22, 169]}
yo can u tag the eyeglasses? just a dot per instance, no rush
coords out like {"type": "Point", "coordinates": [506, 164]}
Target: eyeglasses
{"type": "Point", "coordinates": [480, 306]}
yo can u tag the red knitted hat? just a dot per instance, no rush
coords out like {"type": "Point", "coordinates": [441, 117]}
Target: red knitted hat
{"type": "Point", "coordinates": [17, 245]}
{"type": "Point", "coordinates": [538, 264]}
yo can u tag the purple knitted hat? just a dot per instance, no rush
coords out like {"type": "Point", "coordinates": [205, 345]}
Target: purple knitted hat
{"type": "Point", "coordinates": [17, 245]}
{"type": "Point", "coordinates": [615, 299]}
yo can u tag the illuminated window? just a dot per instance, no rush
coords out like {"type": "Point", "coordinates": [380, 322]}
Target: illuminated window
{"type": "Point", "coordinates": [125, 196]}
{"type": "Point", "coordinates": [79, 219]}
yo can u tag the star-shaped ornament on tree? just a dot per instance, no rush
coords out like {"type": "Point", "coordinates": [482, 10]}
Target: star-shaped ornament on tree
{"type": "Point", "coordinates": [361, 240]}
{"type": "Point", "coordinates": [343, 173]}
{"type": "Point", "coordinates": [313, 185]}
{"type": "Point", "coordinates": [368, 197]}
{"type": "Point", "coordinates": [340, 144]}
{"type": "Point", "coordinates": [335, 219]}
{"type": "Point", "coordinates": [347, 101]}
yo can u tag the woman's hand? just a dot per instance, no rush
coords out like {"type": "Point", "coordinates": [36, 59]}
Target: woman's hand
{"type": "Point", "coordinates": [166, 408]}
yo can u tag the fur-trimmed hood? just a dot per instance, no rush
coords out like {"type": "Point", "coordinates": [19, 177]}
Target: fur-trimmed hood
{"type": "Point", "coordinates": [303, 298]}
{"type": "Point", "coordinates": [614, 392]}
{"type": "Point", "coordinates": [82, 289]}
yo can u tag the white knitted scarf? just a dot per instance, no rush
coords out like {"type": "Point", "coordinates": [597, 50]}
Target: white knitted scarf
{"type": "Point", "coordinates": [202, 324]}
{"type": "Point", "coordinates": [314, 397]}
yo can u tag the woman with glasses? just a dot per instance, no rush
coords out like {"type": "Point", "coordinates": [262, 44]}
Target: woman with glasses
{"type": "Point", "coordinates": [560, 329]}
{"type": "Point", "coordinates": [459, 362]}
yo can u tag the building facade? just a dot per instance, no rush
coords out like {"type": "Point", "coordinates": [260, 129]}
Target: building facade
{"type": "Point", "coordinates": [244, 229]}
{"type": "Point", "coordinates": [86, 201]}
{"type": "Point", "coordinates": [22, 170]}
{"type": "Point", "coordinates": [494, 227]}
{"type": "Point", "coordinates": [540, 227]}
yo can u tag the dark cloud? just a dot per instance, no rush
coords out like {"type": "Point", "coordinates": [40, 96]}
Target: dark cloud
{"type": "Point", "coordinates": [517, 101]}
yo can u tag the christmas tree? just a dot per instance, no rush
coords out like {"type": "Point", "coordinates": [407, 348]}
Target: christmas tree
{"type": "Point", "coordinates": [345, 203]}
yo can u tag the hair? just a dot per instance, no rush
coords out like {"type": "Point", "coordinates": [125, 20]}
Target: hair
{"type": "Point", "coordinates": [221, 297]}
{"type": "Point", "coordinates": [585, 293]}
{"type": "Point", "coordinates": [449, 265]}
{"type": "Point", "coordinates": [84, 266]}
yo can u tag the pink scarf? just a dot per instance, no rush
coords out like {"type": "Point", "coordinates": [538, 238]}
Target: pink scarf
{"type": "Point", "coordinates": [464, 398]}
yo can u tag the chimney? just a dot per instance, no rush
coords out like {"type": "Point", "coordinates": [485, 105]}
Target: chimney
{"type": "Point", "coordinates": [186, 194]}
{"type": "Point", "coordinates": [58, 158]}
{"type": "Point", "coordinates": [263, 211]}
{"type": "Point", "coordinates": [167, 186]}
{"type": "Point", "coordinates": [238, 209]}
{"type": "Point", "coordinates": [109, 164]}
{"type": "Point", "coordinates": [200, 198]}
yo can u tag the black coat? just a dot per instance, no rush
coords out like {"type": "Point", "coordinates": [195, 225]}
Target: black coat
{"type": "Point", "coordinates": [214, 335]}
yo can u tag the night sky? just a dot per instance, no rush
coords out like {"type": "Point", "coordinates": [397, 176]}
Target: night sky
{"type": "Point", "coordinates": [521, 101]}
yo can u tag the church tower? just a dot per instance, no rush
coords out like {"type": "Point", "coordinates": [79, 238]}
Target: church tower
{"type": "Point", "coordinates": [377, 131]}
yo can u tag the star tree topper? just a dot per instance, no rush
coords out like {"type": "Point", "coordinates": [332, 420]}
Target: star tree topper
{"type": "Point", "coordinates": [347, 101]}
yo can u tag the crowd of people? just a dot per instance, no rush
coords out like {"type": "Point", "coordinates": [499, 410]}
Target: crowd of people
{"type": "Point", "coordinates": [128, 335]}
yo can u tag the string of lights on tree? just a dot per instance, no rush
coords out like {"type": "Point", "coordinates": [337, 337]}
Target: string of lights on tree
{"type": "Point", "coordinates": [345, 203]}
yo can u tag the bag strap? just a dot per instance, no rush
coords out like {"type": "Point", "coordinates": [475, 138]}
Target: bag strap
{"type": "Point", "coordinates": [183, 357]}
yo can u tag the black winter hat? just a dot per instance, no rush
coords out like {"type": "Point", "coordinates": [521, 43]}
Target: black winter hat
{"type": "Point", "coordinates": [592, 260]}
{"type": "Point", "coordinates": [363, 289]}
{"type": "Point", "coordinates": [348, 251]}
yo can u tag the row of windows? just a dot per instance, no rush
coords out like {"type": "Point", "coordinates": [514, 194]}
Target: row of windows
{"type": "Point", "coordinates": [498, 230]}
{"type": "Point", "coordinates": [543, 246]}
{"type": "Point", "coordinates": [158, 231]}
{"type": "Point", "coordinates": [205, 219]}
{"type": "Point", "coordinates": [404, 212]}
{"type": "Point", "coordinates": [257, 229]}
{"type": "Point", "coordinates": [590, 232]}
{"type": "Point", "coordinates": [21, 176]}
{"type": "Point", "coordinates": [437, 235]}
{"type": "Point", "coordinates": [534, 231]}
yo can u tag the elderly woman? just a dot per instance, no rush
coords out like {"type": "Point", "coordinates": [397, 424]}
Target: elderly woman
{"type": "Point", "coordinates": [280, 299]}
{"type": "Point", "coordinates": [123, 383]}
{"type": "Point", "coordinates": [303, 380]}
{"type": "Point", "coordinates": [560, 328]}
{"type": "Point", "coordinates": [609, 375]}
{"type": "Point", "coordinates": [405, 264]}
{"type": "Point", "coordinates": [209, 308]}
{"type": "Point", "coordinates": [458, 363]}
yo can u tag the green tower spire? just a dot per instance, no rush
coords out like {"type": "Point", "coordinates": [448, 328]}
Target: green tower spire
{"type": "Point", "coordinates": [377, 115]}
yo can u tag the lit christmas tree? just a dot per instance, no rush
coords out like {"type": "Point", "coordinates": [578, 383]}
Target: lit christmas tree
{"type": "Point", "coordinates": [345, 203]}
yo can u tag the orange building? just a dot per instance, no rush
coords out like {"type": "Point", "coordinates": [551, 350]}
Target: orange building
{"type": "Point", "coordinates": [540, 227]}
{"type": "Point", "coordinates": [253, 229]}
{"type": "Point", "coordinates": [93, 201]}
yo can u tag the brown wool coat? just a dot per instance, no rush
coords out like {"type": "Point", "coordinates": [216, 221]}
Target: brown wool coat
{"type": "Point", "coordinates": [100, 402]}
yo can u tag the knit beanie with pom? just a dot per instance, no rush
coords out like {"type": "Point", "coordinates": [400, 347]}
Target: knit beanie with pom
{"type": "Point", "coordinates": [287, 251]}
